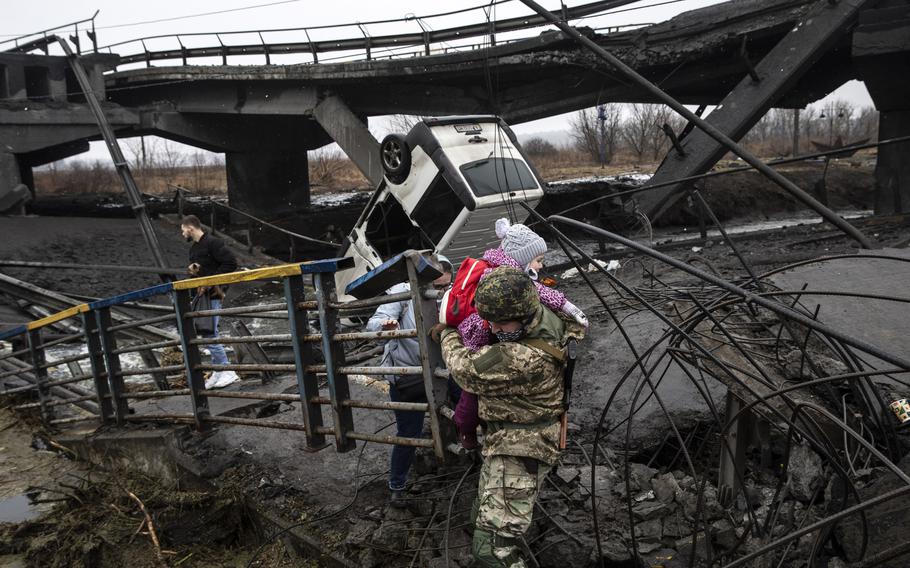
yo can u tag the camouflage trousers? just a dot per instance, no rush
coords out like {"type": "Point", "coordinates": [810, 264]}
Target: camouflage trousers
{"type": "Point", "coordinates": [503, 510]}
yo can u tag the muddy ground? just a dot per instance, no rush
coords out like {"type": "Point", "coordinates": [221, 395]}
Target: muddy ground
{"type": "Point", "coordinates": [341, 498]}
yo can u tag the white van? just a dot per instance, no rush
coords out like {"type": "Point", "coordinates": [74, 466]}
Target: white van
{"type": "Point", "coordinates": [445, 185]}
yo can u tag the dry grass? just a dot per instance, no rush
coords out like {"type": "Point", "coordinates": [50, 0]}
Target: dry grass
{"type": "Point", "coordinates": [570, 164]}
{"type": "Point", "coordinates": [327, 175]}
{"type": "Point", "coordinates": [100, 178]}
{"type": "Point", "coordinates": [329, 172]}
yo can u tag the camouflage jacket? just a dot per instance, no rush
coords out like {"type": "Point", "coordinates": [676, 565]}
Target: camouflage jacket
{"type": "Point", "coordinates": [519, 387]}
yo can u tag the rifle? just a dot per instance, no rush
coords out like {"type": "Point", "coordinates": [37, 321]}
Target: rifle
{"type": "Point", "coordinates": [567, 391]}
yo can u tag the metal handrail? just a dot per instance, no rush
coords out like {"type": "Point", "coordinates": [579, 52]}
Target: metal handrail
{"type": "Point", "coordinates": [110, 397]}
{"type": "Point", "coordinates": [140, 323]}
{"type": "Point", "coordinates": [237, 310]}
{"type": "Point", "coordinates": [45, 37]}
{"type": "Point", "coordinates": [146, 347]}
{"type": "Point", "coordinates": [364, 43]}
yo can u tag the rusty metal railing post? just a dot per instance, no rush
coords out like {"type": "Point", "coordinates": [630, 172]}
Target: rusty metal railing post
{"type": "Point", "coordinates": [191, 357]}
{"type": "Point", "coordinates": [333, 353]}
{"type": "Point", "coordinates": [99, 371]}
{"type": "Point", "coordinates": [112, 362]}
{"type": "Point", "coordinates": [430, 359]}
{"type": "Point", "coordinates": [38, 359]}
{"type": "Point", "coordinates": [307, 384]}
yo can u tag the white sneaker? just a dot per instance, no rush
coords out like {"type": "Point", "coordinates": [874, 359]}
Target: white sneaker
{"type": "Point", "coordinates": [225, 378]}
{"type": "Point", "coordinates": [212, 381]}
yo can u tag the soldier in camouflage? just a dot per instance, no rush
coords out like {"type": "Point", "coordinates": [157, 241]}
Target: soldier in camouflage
{"type": "Point", "coordinates": [519, 384]}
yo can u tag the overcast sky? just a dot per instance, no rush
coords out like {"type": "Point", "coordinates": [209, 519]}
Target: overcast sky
{"type": "Point", "coordinates": [121, 21]}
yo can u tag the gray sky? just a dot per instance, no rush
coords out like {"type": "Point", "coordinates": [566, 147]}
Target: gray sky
{"type": "Point", "coordinates": [120, 21]}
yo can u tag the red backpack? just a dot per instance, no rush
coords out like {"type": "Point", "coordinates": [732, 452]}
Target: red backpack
{"type": "Point", "coordinates": [458, 301]}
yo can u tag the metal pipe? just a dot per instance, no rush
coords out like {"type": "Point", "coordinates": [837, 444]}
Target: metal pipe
{"type": "Point", "coordinates": [281, 397]}
{"type": "Point", "coordinates": [277, 337]}
{"type": "Point", "coordinates": [356, 336]}
{"type": "Point", "coordinates": [76, 379]}
{"type": "Point", "coordinates": [396, 440]}
{"type": "Point", "coordinates": [247, 367]}
{"type": "Point", "coordinates": [370, 302]}
{"type": "Point", "coordinates": [55, 402]}
{"type": "Point", "coordinates": [237, 310]}
{"type": "Point", "coordinates": [150, 370]}
{"type": "Point", "coordinates": [775, 307]}
{"type": "Point", "coordinates": [72, 420]}
{"type": "Point", "coordinates": [111, 267]}
{"type": "Point", "coordinates": [377, 404]}
{"type": "Point", "coordinates": [706, 126]}
{"type": "Point", "coordinates": [351, 370]}
{"type": "Point", "coordinates": [64, 361]}
{"type": "Point", "coordinates": [255, 422]}
{"type": "Point", "coordinates": [146, 346]}
{"type": "Point", "coordinates": [139, 323]}
{"type": "Point", "coordinates": [156, 394]}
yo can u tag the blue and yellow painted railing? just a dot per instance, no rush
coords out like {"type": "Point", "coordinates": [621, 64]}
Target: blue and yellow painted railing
{"type": "Point", "coordinates": [104, 354]}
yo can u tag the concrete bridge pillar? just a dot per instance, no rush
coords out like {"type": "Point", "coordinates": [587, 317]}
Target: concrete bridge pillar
{"type": "Point", "coordinates": [881, 48]}
{"type": "Point", "coordinates": [892, 169]}
{"type": "Point", "coordinates": [14, 193]}
{"type": "Point", "coordinates": [268, 183]}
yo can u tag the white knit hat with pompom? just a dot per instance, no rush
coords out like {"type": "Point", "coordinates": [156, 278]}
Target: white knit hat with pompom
{"type": "Point", "coordinates": [519, 242]}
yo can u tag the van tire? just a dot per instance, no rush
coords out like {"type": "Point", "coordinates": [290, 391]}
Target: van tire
{"type": "Point", "coordinates": [395, 156]}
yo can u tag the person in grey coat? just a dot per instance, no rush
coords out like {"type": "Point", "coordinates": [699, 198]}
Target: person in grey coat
{"type": "Point", "coordinates": [404, 352]}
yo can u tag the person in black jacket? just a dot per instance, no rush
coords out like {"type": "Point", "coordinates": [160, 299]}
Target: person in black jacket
{"type": "Point", "coordinates": [208, 256]}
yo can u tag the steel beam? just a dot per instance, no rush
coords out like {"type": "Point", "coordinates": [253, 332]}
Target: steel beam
{"type": "Point", "coordinates": [776, 74]}
{"type": "Point", "coordinates": [192, 358]}
{"type": "Point", "coordinates": [333, 353]}
{"type": "Point", "coordinates": [120, 163]}
{"type": "Point", "coordinates": [307, 383]}
{"type": "Point", "coordinates": [708, 128]}
{"type": "Point", "coordinates": [99, 371]}
{"type": "Point", "coordinates": [425, 318]}
{"type": "Point", "coordinates": [112, 363]}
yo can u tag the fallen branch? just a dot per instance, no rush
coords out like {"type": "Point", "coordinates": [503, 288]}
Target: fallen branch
{"type": "Point", "coordinates": [148, 522]}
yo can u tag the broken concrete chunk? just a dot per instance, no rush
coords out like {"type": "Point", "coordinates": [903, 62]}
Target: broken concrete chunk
{"type": "Point", "coordinates": [567, 474]}
{"type": "Point", "coordinates": [665, 487]}
{"type": "Point", "coordinates": [651, 510]}
{"type": "Point", "coordinates": [603, 483]}
{"type": "Point", "coordinates": [641, 475]}
{"type": "Point", "coordinates": [360, 533]}
{"type": "Point", "coordinates": [804, 471]}
{"type": "Point", "coordinates": [646, 496]}
{"type": "Point", "coordinates": [724, 534]}
{"type": "Point", "coordinates": [650, 531]}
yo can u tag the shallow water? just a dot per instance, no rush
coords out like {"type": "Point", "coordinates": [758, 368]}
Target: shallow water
{"type": "Point", "coordinates": [17, 509]}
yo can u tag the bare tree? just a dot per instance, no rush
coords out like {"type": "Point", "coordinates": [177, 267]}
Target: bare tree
{"type": "Point", "coordinates": [402, 123]}
{"type": "Point", "coordinates": [657, 141]}
{"type": "Point", "coordinates": [866, 123]}
{"type": "Point", "coordinates": [537, 147]}
{"type": "Point", "coordinates": [138, 152]}
{"type": "Point", "coordinates": [325, 164]}
{"type": "Point", "coordinates": [169, 156]}
{"type": "Point", "coordinates": [199, 163]}
{"type": "Point", "coordinates": [642, 130]}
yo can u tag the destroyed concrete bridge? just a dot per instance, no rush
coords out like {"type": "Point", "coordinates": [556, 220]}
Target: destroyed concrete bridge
{"type": "Point", "coordinates": [745, 55]}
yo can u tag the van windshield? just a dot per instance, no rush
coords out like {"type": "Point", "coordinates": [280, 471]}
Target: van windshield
{"type": "Point", "coordinates": [498, 175]}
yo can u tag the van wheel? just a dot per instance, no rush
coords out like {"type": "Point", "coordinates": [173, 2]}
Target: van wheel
{"type": "Point", "coordinates": [395, 156]}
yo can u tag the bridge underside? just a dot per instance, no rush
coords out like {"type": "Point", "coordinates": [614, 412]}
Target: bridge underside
{"type": "Point", "coordinates": [265, 118]}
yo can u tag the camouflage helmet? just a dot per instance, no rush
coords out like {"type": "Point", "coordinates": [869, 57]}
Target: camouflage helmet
{"type": "Point", "coordinates": [506, 294]}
